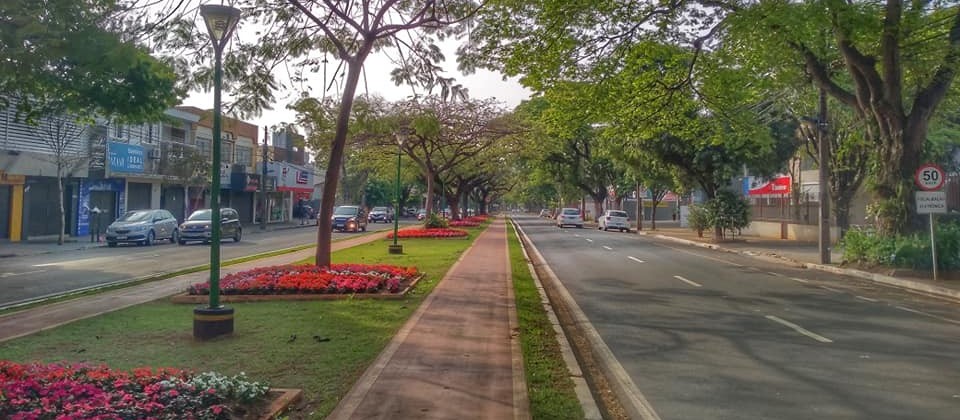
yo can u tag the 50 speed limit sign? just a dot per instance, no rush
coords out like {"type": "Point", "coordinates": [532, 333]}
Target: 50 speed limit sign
{"type": "Point", "coordinates": [929, 177]}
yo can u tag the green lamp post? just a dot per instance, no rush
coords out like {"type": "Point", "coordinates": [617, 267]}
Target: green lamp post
{"type": "Point", "coordinates": [216, 319]}
{"type": "Point", "coordinates": [397, 248]}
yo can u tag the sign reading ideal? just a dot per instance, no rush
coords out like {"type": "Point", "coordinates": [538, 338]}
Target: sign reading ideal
{"type": "Point", "coordinates": [931, 202]}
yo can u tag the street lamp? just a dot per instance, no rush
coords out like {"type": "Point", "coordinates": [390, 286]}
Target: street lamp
{"type": "Point", "coordinates": [216, 319]}
{"type": "Point", "coordinates": [397, 248]}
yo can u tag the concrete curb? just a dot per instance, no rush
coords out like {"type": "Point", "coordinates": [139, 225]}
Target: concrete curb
{"type": "Point", "coordinates": [875, 277]}
{"type": "Point", "coordinates": [589, 404]}
{"type": "Point", "coordinates": [628, 393]}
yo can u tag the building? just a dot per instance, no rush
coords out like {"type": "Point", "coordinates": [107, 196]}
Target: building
{"type": "Point", "coordinates": [293, 176]}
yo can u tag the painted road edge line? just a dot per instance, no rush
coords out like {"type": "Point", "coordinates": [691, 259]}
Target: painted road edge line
{"type": "Point", "coordinates": [799, 279]}
{"type": "Point", "coordinates": [688, 281]}
{"type": "Point", "coordinates": [799, 329]}
{"type": "Point", "coordinates": [637, 260]}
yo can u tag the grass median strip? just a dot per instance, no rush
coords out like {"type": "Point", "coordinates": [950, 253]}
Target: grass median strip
{"type": "Point", "coordinates": [321, 347]}
{"type": "Point", "coordinates": [550, 389]}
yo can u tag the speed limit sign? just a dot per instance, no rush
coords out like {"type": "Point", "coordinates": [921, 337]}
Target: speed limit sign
{"type": "Point", "coordinates": [929, 177]}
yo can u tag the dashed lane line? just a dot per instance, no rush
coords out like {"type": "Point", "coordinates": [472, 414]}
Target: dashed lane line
{"type": "Point", "coordinates": [775, 274]}
{"type": "Point", "coordinates": [700, 255]}
{"type": "Point", "coordinates": [5, 275]}
{"type": "Point", "coordinates": [637, 260]}
{"type": "Point", "coordinates": [588, 239]}
{"type": "Point", "coordinates": [832, 289]}
{"type": "Point", "coordinates": [607, 248]}
{"type": "Point", "coordinates": [688, 281]}
{"type": "Point", "coordinates": [799, 329]}
{"type": "Point", "coordinates": [799, 280]}
{"type": "Point", "coordinates": [865, 298]}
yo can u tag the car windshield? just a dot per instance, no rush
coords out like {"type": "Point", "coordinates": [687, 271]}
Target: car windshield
{"type": "Point", "coordinates": [200, 215]}
{"type": "Point", "coordinates": [135, 216]}
{"type": "Point", "coordinates": [380, 209]}
{"type": "Point", "coordinates": [618, 214]}
{"type": "Point", "coordinates": [571, 212]}
{"type": "Point", "coordinates": [345, 211]}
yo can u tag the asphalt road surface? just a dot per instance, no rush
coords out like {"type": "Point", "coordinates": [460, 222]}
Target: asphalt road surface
{"type": "Point", "coordinates": [31, 277]}
{"type": "Point", "coordinates": [713, 335]}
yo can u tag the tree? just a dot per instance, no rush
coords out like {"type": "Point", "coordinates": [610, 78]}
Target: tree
{"type": "Point", "coordinates": [300, 35]}
{"type": "Point", "coordinates": [64, 138]}
{"type": "Point", "coordinates": [190, 168]}
{"type": "Point", "coordinates": [891, 62]}
{"type": "Point", "coordinates": [69, 58]}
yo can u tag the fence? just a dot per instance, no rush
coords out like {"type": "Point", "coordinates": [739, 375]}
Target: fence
{"type": "Point", "coordinates": [781, 209]}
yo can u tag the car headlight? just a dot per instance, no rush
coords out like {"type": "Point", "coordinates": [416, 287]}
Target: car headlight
{"type": "Point", "coordinates": [206, 227]}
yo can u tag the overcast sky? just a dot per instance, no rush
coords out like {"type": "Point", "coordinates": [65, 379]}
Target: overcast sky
{"type": "Point", "coordinates": [483, 84]}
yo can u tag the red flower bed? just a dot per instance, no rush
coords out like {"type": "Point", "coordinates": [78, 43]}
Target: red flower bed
{"type": "Point", "coordinates": [479, 219]}
{"type": "Point", "coordinates": [310, 279]}
{"type": "Point", "coordinates": [464, 223]}
{"type": "Point", "coordinates": [429, 233]}
{"type": "Point", "coordinates": [81, 391]}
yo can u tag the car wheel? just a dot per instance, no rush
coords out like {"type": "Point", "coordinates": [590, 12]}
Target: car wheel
{"type": "Point", "coordinates": [238, 235]}
{"type": "Point", "coordinates": [579, 226]}
{"type": "Point", "coordinates": [182, 242]}
{"type": "Point", "coordinates": [112, 244]}
{"type": "Point", "coordinates": [149, 240]}
{"type": "Point", "coordinates": [175, 236]}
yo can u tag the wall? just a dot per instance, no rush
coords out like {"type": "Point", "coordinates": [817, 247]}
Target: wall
{"type": "Point", "coordinates": [803, 233]}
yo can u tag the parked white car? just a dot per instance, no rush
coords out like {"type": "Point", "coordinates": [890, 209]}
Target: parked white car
{"type": "Point", "coordinates": [569, 216]}
{"type": "Point", "coordinates": [614, 219]}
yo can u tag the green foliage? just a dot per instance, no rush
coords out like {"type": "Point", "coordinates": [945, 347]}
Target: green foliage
{"type": "Point", "coordinates": [728, 211]}
{"type": "Point", "coordinates": [698, 219]}
{"type": "Point", "coordinates": [434, 220]}
{"type": "Point", "coordinates": [64, 58]}
{"type": "Point", "coordinates": [866, 246]}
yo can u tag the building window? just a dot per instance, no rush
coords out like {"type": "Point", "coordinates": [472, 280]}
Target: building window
{"type": "Point", "coordinates": [203, 147]}
{"type": "Point", "coordinates": [117, 130]}
{"type": "Point", "coordinates": [226, 154]}
{"type": "Point", "coordinates": [178, 135]}
{"type": "Point", "coordinates": [244, 156]}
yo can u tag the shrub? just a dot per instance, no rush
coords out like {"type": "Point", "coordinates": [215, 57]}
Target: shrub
{"type": "Point", "coordinates": [698, 219]}
{"type": "Point", "coordinates": [910, 251]}
{"type": "Point", "coordinates": [728, 212]}
{"type": "Point", "coordinates": [434, 221]}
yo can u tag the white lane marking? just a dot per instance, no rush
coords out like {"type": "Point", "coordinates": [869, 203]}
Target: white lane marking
{"type": "Point", "coordinates": [5, 275]}
{"type": "Point", "coordinates": [700, 255]}
{"type": "Point", "coordinates": [952, 321]}
{"type": "Point", "coordinates": [799, 279]}
{"type": "Point", "coordinates": [775, 274]}
{"type": "Point", "coordinates": [865, 298]}
{"type": "Point", "coordinates": [800, 329]}
{"type": "Point", "coordinates": [687, 281]}
{"type": "Point", "coordinates": [576, 234]}
{"type": "Point", "coordinates": [831, 289]}
{"type": "Point", "coordinates": [637, 260]}
{"type": "Point", "coordinates": [607, 248]}
{"type": "Point", "coordinates": [589, 240]}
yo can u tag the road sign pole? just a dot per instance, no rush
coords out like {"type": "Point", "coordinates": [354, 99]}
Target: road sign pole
{"type": "Point", "coordinates": [933, 244]}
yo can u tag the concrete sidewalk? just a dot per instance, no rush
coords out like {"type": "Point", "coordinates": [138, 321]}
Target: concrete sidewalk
{"type": "Point", "coordinates": [804, 254]}
{"type": "Point", "coordinates": [458, 356]}
{"type": "Point", "coordinates": [48, 244]}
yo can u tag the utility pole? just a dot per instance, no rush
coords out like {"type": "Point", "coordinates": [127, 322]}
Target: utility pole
{"type": "Point", "coordinates": [824, 158]}
{"type": "Point", "coordinates": [263, 180]}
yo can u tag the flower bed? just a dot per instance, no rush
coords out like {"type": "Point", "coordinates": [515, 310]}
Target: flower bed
{"type": "Point", "coordinates": [429, 233]}
{"type": "Point", "coordinates": [81, 391]}
{"type": "Point", "coordinates": [479, 219]}
{"type": "Point", "coordinates": [464, 223]}
{"type": "Point", "coordinates": [311, 279]}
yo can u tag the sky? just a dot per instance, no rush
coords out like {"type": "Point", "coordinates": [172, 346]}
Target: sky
{"type": "Point", "coordinates": [482, 84]}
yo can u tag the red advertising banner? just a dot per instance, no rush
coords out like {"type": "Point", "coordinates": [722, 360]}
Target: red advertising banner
{"type": "Point", "coordinates": [777, 186]}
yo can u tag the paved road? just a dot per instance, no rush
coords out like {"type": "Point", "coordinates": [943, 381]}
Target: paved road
{"type": "Point", "coordinates": [712, 335]}
{"type": "Point", "coordinates": [31, 277]}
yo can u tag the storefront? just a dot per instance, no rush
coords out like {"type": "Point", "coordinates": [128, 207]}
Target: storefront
{"type": "Point", "coordinates": [11, 206]}
{"type": "Point", "coordinates": [293, 183]}
{"type": "Point", "coordinates": [243, 191]}
{"type": "Point", "coordinates": [99, 203]}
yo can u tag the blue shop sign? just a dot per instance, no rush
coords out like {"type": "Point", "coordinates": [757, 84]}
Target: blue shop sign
{"type": "Point", "coordinates": [125, 157]}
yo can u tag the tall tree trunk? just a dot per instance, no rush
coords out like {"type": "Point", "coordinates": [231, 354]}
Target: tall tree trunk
{"type": "Point", "coordinates": [332, 180]}
{"type": "Point", "coordinates": [429, 197]}
{"type": "Point", "coordinates": [63, 221]}
{"type": "Point", "coordinates": [454, 201]}
{"type": "Point", "coordinates": [639, 209]}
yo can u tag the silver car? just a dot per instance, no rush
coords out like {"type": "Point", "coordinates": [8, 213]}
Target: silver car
{"type": "Point", "coordinates": [143, 227]}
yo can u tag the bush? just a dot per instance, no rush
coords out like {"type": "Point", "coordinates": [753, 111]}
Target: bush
{"type": "Point", "coordinates": [698, 219]}
{"type": "Point", "coordinates": [728, 212]}
{"type": "Point", "coordinates": [434, 221]}
{"type": "Point", "coordinates": [911, 251]}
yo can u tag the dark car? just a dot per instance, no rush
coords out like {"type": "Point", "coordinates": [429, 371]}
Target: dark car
{"type": "Point", "coordinates": [349, 219]}
{"type": "Point", "coordinates": [381, 214]}
{"type": "Point", "coordinates": [143, 227]}
{"type": "Point", "coordinates": [198, 227]}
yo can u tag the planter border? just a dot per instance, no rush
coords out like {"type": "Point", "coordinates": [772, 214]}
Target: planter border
{"type": "Point", "coordinates": [198, 299]}
{"type": "Point", "coordinates": [288, 397]}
